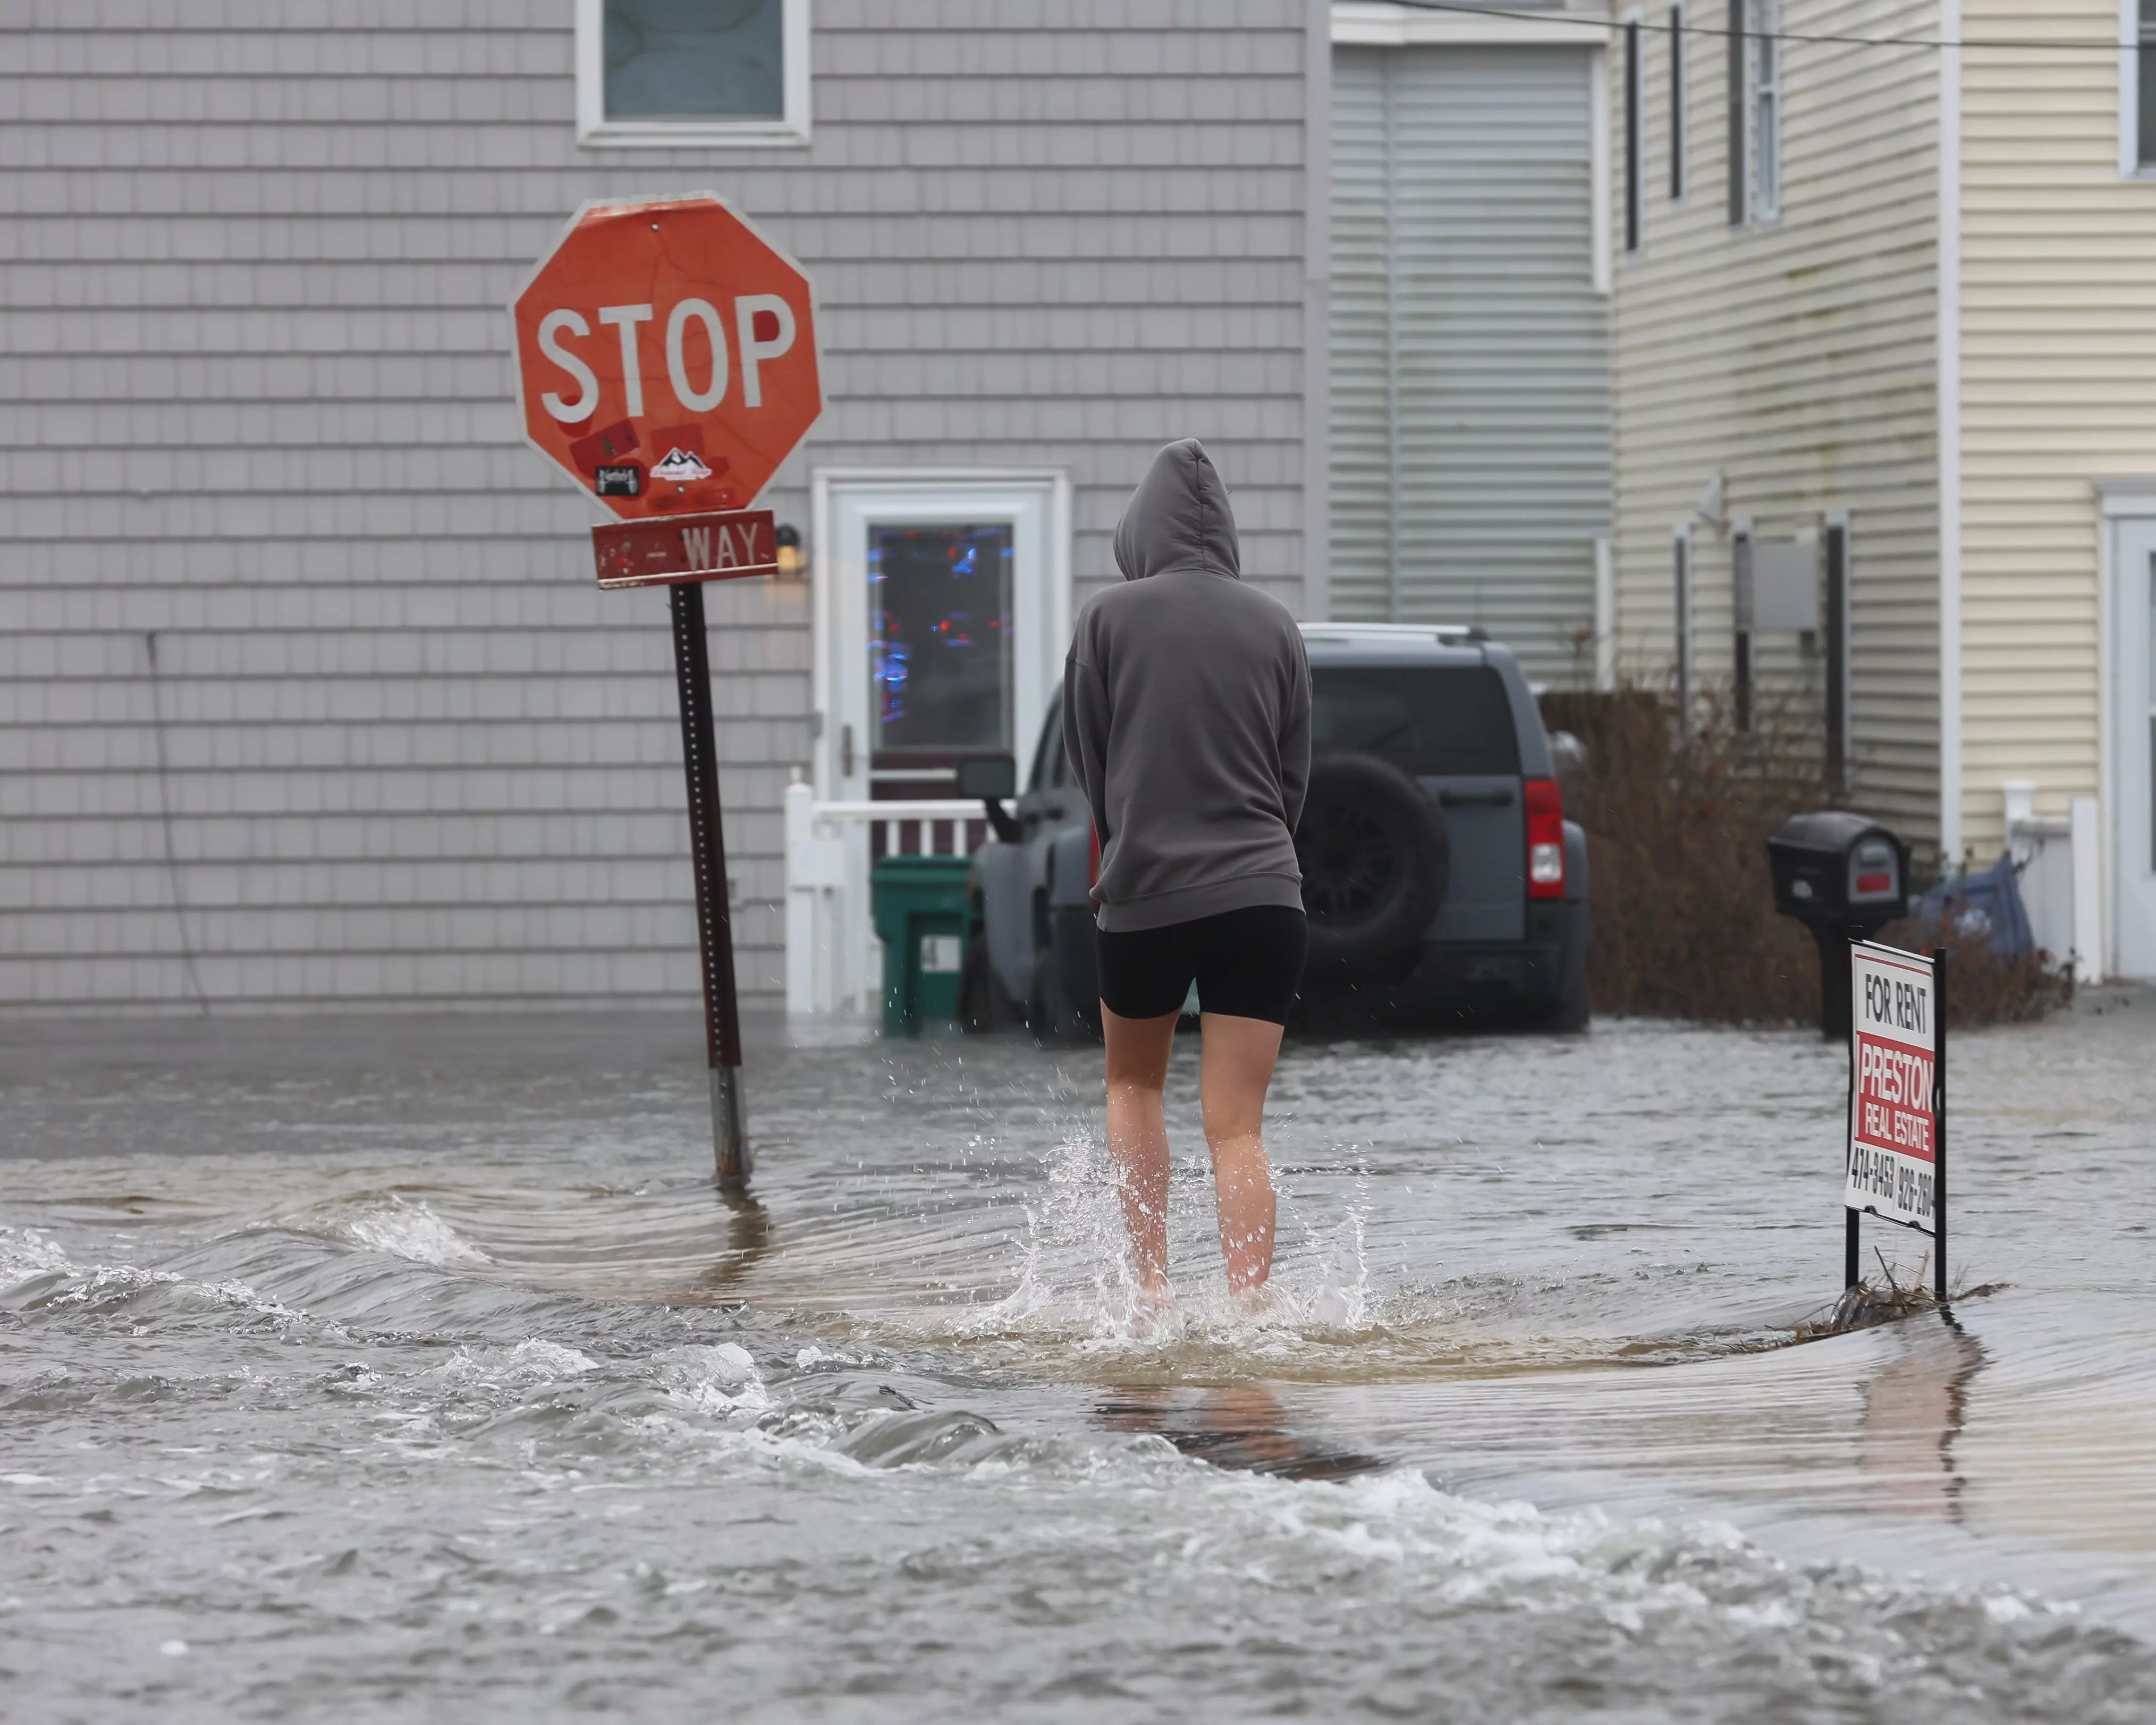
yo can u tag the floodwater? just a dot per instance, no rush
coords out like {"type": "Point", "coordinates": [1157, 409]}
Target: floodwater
{"type": "Point", "coordinates": [415, 1371]}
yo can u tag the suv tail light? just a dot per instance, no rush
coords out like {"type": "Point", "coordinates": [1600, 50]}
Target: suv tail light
{"type": "Point", "coordinates": [1545, 839]}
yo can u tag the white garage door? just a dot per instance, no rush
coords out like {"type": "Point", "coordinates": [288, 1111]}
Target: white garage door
{"type": "Point", "coordinates": [1469, 350]}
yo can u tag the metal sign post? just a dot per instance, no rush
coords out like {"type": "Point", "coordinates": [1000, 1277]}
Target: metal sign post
{"type": "Point", "coordinates": [707, 852]}
{"type": "Point", "coordinates": [666, 365]}
{"type": "Point", "coordinates": [1895, 1165]}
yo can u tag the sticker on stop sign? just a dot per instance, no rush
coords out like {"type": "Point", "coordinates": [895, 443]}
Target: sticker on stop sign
{"type": "Point", "coordinates": [666, 356]}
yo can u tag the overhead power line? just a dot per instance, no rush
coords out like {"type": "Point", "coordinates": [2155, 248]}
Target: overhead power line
{"type": "Point", "coordinates": [2031, 43]}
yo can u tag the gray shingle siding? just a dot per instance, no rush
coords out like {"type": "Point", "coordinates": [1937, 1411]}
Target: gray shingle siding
{"type": "Point", "coordinates": [255, 398]}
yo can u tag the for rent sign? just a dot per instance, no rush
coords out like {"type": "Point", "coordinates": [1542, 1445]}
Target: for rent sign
{"type": "Point", "coordinates": [1895, 1093]}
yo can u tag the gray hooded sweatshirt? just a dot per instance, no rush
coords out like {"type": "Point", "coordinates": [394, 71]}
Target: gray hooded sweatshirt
{"type": "Point", "coordinates": [1186, 713]}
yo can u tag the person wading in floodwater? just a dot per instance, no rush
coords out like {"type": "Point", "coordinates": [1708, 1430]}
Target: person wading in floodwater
{"type": "Point", "coordinates": [1186, 721]}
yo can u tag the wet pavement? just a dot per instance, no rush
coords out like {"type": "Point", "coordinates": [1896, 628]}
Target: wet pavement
{"type": "Point", "coordinates": [412, 1369]}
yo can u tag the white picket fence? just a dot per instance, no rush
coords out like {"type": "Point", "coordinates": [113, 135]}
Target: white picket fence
{"type": "Point", "coordinates": [833, 960]}
{"type": "Point", "coordinates": [2061, 888]}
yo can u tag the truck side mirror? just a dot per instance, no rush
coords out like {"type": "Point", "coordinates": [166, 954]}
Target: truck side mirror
{"type": "Point", "coordinates": [991, 777]}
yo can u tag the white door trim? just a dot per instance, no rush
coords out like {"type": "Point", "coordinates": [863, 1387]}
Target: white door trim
{"type": "Point", "coordinates": [2129, 512]}
{"type": "Point", "coordinates": [1036, 501]}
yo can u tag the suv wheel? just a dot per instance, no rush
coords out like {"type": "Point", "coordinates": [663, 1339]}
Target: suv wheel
{"type": "Point", "coordinates": [1375, 865]}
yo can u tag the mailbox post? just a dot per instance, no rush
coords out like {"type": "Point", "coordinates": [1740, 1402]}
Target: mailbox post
{"type": "Point", "coordinates": [1844, 878]}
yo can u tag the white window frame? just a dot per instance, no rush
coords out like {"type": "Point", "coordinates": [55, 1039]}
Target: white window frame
{"type": "Point", "coordinates": [1762, 109]}
{"type": "Point", "coordinates": [595, 131]}
{"type": "Point", "coordinates": [843, 503]}
{"type": "Point", "coordinates": [1680, 93]}
{"type": "Point", "coordinates": [2130, 166]}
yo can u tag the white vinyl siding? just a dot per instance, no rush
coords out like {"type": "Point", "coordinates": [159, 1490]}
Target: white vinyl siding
{"type": "Point", "coordinates": [1797, 361]}
{"type": "Point", "coordinates": [1470, 360]}
{"type": "Point", "coordinates": [2058, 347]}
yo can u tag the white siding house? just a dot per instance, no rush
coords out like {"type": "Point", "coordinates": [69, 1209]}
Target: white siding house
{"type": "Point", "coordinates": [1776, 371]}
{"type": "Point", "coordinates": [1926, 355]}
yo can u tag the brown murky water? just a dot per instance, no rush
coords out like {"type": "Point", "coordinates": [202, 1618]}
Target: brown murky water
{"type": "Point", "coordinates": [360, 1369]}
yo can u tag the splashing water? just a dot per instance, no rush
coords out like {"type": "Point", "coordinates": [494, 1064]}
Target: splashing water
{"type": "Point", "coordinates": [468, 1396]}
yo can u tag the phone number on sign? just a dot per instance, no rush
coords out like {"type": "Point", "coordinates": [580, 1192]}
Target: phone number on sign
{"type": "Point", "coordinates": [1879, 1175]}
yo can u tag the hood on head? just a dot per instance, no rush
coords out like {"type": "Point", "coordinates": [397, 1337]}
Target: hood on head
{"type": "Point", "coordinates": [1178, 518]}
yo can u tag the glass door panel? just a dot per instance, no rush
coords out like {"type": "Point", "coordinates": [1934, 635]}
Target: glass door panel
{"type": "Point", "coordinates": [939, 649]}
{"type": "Point", "coordinates": [942, 608]}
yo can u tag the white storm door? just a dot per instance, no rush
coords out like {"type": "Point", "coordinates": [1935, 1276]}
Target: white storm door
{"type": "Point", "coordinates": [942, 614]}
{"type": "Point", "coordinates": [2133, 732]}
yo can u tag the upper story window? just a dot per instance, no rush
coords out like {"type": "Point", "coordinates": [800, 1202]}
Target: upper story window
{"type": "Point", "coordinates": [1755, 110]}
{"type": "Point", "coordinates": [2137, 87]}
{"type": "Point", "coordinates": [1763, 40]}
{"type": "Point", "coordinates": [671, 73]}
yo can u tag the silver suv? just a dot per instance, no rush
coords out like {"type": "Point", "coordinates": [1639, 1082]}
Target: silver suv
{"type": "Point", "coordinates": [1441, 879]}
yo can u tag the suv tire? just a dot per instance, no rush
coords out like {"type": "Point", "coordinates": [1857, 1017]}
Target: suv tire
{"type": "Point", "coordinates": [1375, 866]}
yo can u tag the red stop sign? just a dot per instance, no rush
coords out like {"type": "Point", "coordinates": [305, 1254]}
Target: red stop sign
{"type": "Point", "coordinates": [666, 356]}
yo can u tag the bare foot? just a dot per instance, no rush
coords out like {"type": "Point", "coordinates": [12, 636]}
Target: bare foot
{"type": "Point", "coordinates": [1258, 1303]}
{"type": "Point", "coordinates": [1151, 1303]}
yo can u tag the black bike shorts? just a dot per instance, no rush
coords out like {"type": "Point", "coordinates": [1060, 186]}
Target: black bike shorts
{"type": "Point", "coordinates": [1247, 964]}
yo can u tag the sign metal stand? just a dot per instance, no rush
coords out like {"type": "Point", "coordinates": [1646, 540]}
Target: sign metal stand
{"type": "Point", "coordinates": [707, 852]}
{"type": "Point", "coordinates": [1895, 1154]}
{"type": "Point", "coordinates": [674, 438]}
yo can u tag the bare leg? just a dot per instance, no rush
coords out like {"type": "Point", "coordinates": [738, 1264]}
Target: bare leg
{"type": "Point", "coordinates": [1137, 1137]}
{"type": "Point", "coordinates": [1233, 1073]}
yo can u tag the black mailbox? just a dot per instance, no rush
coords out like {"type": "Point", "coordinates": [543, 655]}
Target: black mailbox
{"type": "Point", "coordinates": [1844, 878]}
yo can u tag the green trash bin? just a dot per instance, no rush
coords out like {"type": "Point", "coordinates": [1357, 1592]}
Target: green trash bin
{"type": "Point", "coordinates": [924, 914]}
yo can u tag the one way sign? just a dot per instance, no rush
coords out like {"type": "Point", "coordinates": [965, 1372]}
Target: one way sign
{"type": "Point", "coordinates": [671, 550]}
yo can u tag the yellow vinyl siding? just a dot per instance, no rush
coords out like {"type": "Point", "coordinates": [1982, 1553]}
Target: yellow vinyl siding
{"type": "Point", "coordinates": [2058, 381]}
{"type": "Point", "coordinates": [1798, 358]}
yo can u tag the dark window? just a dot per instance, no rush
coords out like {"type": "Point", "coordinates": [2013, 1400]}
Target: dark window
{"type": "Point", "coordinates": [939, 638]}
{"type": "Point", "coordinates": [1738, 111]}
{"type": "Point", "coordinates": [666, 60]}
{"type": "Point", "coordinates": [1677, 104]}
{"type": "Point", "coordinates": [1631, 137]}
{"type": "Point", "coordinates": [1837, 655]}
{"type": "Point", "coordinates": [1428, 721]}
{"type": "Point", "coordinates": [2144, 64]}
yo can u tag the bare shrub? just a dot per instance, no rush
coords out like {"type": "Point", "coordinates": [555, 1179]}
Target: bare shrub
{"type": "Point", "coordinates": [1984, 986]}
{"type": "Point", "coordinates": [1682, 923]}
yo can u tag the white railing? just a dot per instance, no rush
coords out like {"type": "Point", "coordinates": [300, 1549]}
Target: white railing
{"type": "Point", "coordinates": [2060, 887]}
{"type": "Point", "coordinates": [833, 960]}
